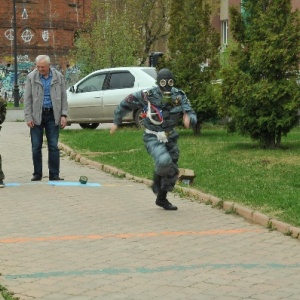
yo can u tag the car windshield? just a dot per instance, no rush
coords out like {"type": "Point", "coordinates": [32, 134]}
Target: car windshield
{"type": "Point", "coordinates": [151, 72]}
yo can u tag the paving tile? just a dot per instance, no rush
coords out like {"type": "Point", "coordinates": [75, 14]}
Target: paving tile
{"type": "Point", "coordinates": [113, 242]}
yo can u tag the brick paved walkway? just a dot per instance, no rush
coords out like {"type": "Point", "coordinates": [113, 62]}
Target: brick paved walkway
{"type": "Point", "coordinates": [111, 242]}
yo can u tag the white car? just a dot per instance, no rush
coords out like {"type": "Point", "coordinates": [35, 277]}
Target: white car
{"type": "Point", "coordinates": [93, 99]}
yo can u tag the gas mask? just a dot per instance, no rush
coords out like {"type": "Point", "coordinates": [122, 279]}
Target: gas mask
{"type": "Point", "coordinates": [165, 82]}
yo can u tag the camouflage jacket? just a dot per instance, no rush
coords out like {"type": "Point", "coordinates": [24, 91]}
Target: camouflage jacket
{"type": "Point", "coordinates": [168, 111]}
{"type": "Point", "coordinates": [3, 104]}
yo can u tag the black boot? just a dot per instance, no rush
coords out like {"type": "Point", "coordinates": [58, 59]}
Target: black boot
{"type": "Point", "coordinates": [156, 184]}
{"type": "Point", "coordinates": [163, 202]}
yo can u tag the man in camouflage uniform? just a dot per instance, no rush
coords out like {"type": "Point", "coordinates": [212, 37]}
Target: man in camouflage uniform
{"type": "Point", "coordinates": [2, 118]}
{"type": "Point", "coordinates": [164, 105]}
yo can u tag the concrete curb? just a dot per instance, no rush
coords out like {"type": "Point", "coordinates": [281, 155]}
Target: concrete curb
{"type": "Point", "coordinates": [248, 214]}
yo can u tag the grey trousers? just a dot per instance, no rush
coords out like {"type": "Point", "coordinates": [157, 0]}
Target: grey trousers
{"type": "Point", "coordinates": [1, 172]}
{"type": "Point", "coordinates": [165, 156]}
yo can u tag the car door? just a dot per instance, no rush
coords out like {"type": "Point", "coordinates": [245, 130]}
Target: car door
{"type": "Point", "coordinates": [119, 85]}
{"type": "Point", "coordinates": [86, 104]}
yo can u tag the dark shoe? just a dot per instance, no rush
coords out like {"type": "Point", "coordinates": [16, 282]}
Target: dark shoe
{"type": "Point", "coordinates": [166, 204]}
{"type": "Point", "coordinates": [2, 185]}
{"type": "Point", "coordinates": [56, 178]}
{"type": "Point", "coordinates": [36, 178]}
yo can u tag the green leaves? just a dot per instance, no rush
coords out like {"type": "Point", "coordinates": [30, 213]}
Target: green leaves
{"type": "Point", "coordinates": [108, 40]}
{"type": "Point", "coordinates": [259, 90]}
{"type": "Point", "coordinates": [193, 55]}
{"type": "Point", "coordinates": [120, 33]}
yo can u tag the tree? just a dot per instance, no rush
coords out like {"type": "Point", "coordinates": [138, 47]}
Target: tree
{"type": "Point", "coordinates": [193, 54]}
{"type": "Point", "coordinates": [260, 93]}
{"type": "Point", "coordinates": [108, 39]}
{"type": "Point", "coordinates": [151, 18]}
{"type": "Point", "coordinates": [120, 33]}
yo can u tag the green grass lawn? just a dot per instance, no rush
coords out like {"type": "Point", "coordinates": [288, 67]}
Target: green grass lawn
{"type": "Point", "coordinates": [11, 105]}
{"type": "Point", "coordinates": [6, 294]}
{"type": "Point", "coordinates": [228, 166]}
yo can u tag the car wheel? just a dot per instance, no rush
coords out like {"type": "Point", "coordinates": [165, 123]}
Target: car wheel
{"type": "Point", "coordinates": [89, 125]}
{"type": "Point", "coordinates": [138, 120]}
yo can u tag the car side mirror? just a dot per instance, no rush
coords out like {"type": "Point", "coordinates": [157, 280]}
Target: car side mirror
{"type": "Point", "coordinates": [72, 89]}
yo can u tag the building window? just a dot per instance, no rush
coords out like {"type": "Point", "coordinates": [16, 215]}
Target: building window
{"type": "Point", "coordinates": [224, 31]}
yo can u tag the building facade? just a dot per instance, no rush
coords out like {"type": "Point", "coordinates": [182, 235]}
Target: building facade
{"type": "Point", "coordinates": [43, 27]}
{"type": "Point", "coordinates": [49, 27]}
{"type": "Point", "coordinates": [222, 21]}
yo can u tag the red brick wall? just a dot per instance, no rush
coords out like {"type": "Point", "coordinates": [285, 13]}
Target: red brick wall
{"type": "Point", "coordinates": [43, 27]}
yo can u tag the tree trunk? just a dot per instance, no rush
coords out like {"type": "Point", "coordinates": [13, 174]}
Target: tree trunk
{"type": "Point", "coordinates": [278, 138]}
{"type": "Point", "coordinates": [269, 140]}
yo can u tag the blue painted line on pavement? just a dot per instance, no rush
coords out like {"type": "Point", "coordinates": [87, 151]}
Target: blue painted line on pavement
{"type": "Point", "coordinates": [55, 183]}
{"type": "Point", "coordinates": [72, 183]}
{"type": "Point", "coordinates": [12, 184]}
{"type": "Point", "coordinates": [143, 270]}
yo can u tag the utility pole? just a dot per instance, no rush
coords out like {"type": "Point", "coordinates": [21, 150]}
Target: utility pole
{"type": "Point", "coordinates": [16, 86]}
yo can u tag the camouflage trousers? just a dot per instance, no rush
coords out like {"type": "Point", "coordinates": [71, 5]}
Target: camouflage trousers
{"type": "Point", "coordinates": [165, 156]}
{"type": "Point", "coordinates": [1, 172]}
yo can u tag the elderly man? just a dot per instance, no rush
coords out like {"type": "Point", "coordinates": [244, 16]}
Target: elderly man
{"type": "Point", "coordinates": [45, 108]}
